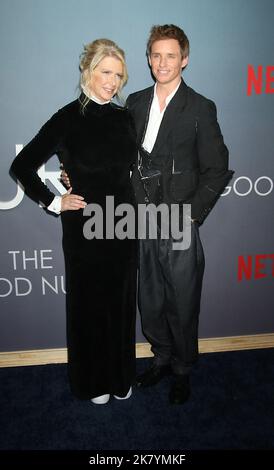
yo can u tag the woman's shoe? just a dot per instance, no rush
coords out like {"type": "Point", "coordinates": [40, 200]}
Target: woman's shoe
{"type": "Point", "coordinates": [101, 400]}
{"type": "Point", "coordinates": [128, 395]}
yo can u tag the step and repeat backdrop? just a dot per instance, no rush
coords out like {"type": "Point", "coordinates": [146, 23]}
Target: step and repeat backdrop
{"type": "Point", "coordinates": [231, 62]}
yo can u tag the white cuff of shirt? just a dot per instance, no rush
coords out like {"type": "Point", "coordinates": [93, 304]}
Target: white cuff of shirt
{"type": "Point", "coordinates": [55, 205]}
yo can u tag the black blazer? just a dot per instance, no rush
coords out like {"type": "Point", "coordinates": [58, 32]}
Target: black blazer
{"type": "Point", "coordinates": [189, 148]}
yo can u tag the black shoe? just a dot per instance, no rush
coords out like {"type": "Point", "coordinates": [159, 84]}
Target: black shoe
{"type": "Point", "coordinates": [180, 390]}
{"type": "Point", "coordinates": [152, 376]}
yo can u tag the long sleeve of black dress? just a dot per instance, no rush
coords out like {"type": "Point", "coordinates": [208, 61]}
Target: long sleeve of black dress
{"type": "Point", "coordinates": [43, 146]}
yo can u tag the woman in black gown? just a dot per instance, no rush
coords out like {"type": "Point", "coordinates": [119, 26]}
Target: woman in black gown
{"type": "Point", "coordinates": [95, 141]}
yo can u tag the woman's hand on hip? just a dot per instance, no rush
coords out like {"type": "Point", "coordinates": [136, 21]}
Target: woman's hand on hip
{"type": "Point", "coordinates": [72, 202]}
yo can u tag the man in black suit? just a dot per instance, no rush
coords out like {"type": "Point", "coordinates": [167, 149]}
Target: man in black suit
{"type": "Point", "coordinates": [182, 159]}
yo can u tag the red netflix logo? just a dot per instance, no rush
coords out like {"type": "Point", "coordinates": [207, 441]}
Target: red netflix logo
{"type": "Point", "coordinates": [255, 79]}
{"type": "Point", "coordinates": [255, 267]}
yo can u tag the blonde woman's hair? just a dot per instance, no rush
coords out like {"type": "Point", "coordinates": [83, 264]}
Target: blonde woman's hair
{"type": "Point", "coordinates": [92, 55]}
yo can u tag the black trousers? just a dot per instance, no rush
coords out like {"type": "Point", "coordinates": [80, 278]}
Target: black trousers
{"type": "Point", "coordinates": [170, 284]}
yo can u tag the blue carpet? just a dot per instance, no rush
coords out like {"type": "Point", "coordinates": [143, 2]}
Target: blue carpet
{"type": "Point", "coordinates": [231, 407]}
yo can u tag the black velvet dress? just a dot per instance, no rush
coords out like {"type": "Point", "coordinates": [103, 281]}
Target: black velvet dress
{"type": "Point", "coordinates": [97, 149]}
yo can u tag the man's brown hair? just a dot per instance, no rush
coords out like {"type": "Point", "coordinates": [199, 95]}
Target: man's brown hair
{"type": "Point", "coordinates": [168, 31]}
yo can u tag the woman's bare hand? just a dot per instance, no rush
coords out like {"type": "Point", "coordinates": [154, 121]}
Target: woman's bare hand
{"type": "Point", "coordinates": [72, 202]}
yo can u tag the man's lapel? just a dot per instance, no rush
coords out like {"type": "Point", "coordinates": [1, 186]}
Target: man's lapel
{"type": "Point", "coordinates": [143, 114]}
{"type": "Point", "coordinates": [174, 108]}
